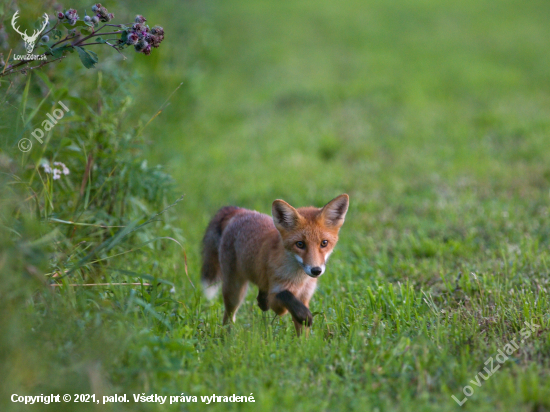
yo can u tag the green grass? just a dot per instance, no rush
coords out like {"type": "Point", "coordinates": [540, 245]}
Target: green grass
{"type": "Point", "coordinates": [433, 117]}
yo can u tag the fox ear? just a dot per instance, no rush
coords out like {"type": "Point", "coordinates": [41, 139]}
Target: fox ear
{"type": "Point", "coordinates": [335, 211]}
{"type": "Point", "coordinates": [284, 216]}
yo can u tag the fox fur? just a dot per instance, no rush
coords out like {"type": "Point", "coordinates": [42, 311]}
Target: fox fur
{"type": "Point", "coordinates": [284, 255]}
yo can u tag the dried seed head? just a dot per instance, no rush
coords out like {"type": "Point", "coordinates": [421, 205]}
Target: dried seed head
{"type": "Point", "coordinates": [140, 29]}
{"type": "Point", "coordinates": [71, 14]}
{"type": "Point", "coordinates": [132, 38]}
{"type": "Point", "coordinates": [140, 19]}
{"type": "Point", "coordinates": [157, 30]}
{"type": "Point", "coordinates": [153, 40]}
{"type": "Point", "coordinates": [103, 13]}
{"type": "Point", "coordinates": [141, 45]}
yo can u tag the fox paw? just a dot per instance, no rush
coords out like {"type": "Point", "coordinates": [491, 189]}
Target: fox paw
{"type": "Point", "coordinates": [304, 317]}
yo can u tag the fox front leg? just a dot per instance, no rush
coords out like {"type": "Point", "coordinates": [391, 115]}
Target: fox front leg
{"type": "Point", "coordinates": [301, 315]}
{"type": "Point", "coordinates": [262, 300]}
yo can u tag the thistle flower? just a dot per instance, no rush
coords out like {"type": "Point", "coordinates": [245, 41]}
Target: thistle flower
{"type": "Point", "coordinates": [102, 13]}
{"type": "Point", "coordinates": [158, 31]}
{"type": "Point", "coordinates": [60, 15]}
{"type": "Point", "coordinates": [141, 45]}
{"type": "Point", "coordinates": [71, 15]}
{"type": "Point", "coordinates": [132, 38]}
{"type": "Point", "coordinates": [142, 37]}
{"type": "Point", "coordinates": [140, 29]}
{"type": "Point", "coordinates": [156, 36]}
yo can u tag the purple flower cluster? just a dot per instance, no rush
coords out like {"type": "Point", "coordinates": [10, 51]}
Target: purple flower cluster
{"type": "Point", "coordinates": [101, 13]}
{"type": "Point", "coordinates": [71, 16]}
{"type": "Point", "coordinates": [142, 37]}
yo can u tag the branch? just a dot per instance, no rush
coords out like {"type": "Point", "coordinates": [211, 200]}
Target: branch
{"type": "Point", "coordinates": [107, 43]}
{"type": "Point", "coordinates": [61, 41]}
{"type": "Point", "coordinates": [119, 25]}
{"type": "Point", "coordinates": [78, 43]}
{"type": "Point", "coordinates": [94, 32]}
{"type": "Point", "coordinates": [22, 62]}
{"type": "Point", "coordinates": [55, 25]}
{"type": "Point", "coordinates": [12, 70]}
{"type": "Point", "coordinates": [100, 284]}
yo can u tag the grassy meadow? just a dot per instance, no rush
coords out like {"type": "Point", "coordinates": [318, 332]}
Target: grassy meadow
{"type": "Point", "coordinates": [433, 116]}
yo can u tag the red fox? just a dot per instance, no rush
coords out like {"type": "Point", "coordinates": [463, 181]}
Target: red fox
{"type": "Point", "coordinates": [283, 255]}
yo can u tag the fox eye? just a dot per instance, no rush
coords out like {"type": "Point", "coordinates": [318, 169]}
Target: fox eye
{"type": "Point", "coordinates": [324, 243]}
{"type": "Point", "coordinates": [300, 245]}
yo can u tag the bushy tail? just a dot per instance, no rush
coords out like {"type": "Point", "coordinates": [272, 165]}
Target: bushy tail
{"type": "Point", "coordinates": [211, 275]}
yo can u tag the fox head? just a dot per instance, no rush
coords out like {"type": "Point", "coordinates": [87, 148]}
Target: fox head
{"type": "Point", "coordinates": [310, 233]}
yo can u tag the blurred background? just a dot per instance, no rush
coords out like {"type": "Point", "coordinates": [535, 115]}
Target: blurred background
{"type": "Point", "coordinates": [403, 105]}
{"type": "Point", "coordinates": [432, 115]}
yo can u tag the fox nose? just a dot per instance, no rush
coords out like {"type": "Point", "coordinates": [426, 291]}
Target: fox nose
{"type": "Point", "coordinates": [316, 271]}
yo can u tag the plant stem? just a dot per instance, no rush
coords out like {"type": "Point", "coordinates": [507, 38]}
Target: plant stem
{"type": "Point", "coordinates": [119, 25]}
{"type": "Point", "coordinates": [11, 69]}
{"type": "Point", "coordinates": [98, 34]}
{"type": "Point", "coordinates": [107, 43]}
{"type": "Point", "coordinates": [60, 41]}
{"type": "Point", "coordinates": [55, 25]}
{"type": "Point", "coordinates": [93, 34]}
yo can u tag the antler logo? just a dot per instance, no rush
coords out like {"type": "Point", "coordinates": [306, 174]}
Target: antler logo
{"type": "Point", "coordinates": [29, 40]}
